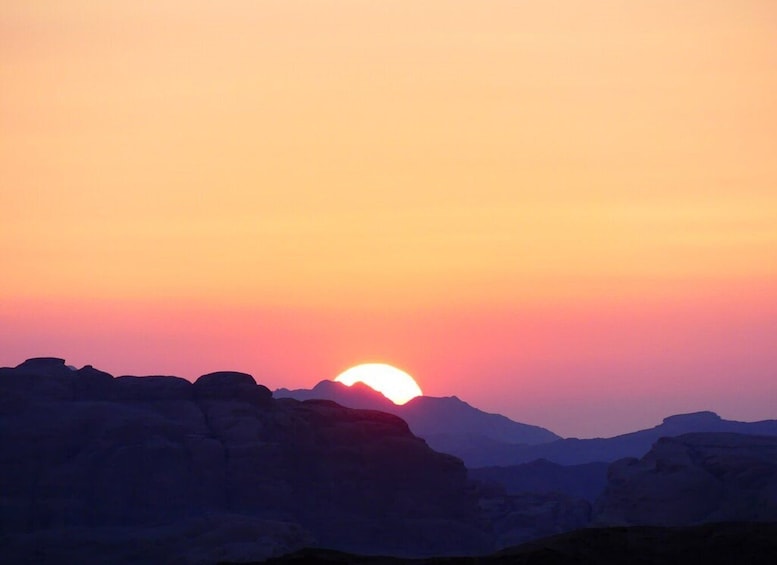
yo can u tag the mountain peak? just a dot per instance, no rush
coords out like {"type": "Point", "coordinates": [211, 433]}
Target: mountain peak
{"type": "Point", "coordinates": [447, 423]}
{"type": "Point", "coordinates": [694, 418]}
{"type": "Point", "coordinates": [43, 362]}
{"type": "Point", "coordinates": [358, 395]}
{"type": "Point", "coordinates": [355, 388]}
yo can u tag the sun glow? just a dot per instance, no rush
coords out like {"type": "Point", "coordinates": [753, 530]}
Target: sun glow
{"type": "Point", "coordinates": [393, 383]}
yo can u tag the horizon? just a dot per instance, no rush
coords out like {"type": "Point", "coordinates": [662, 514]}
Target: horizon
{"type": "Point", "coordinates": [273, 390]}
{"type": "Point", "coordinates": [561, 212]}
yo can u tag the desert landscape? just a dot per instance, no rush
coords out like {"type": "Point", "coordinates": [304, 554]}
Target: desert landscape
{"type": "Point", "coordinates": [384, 281]}
{"type": "Point", "coordinates": [157, 469]}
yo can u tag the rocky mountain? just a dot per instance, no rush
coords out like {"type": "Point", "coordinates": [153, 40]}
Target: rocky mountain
{"type": "Point", "coordinates": [448, 424]}
{"type": "Point", "coordinates": [97, 469]}
{"type": "Point", "coordinates": [692, 479]}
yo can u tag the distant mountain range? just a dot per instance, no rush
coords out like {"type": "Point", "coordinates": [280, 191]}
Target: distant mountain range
{"type": "Point", "coordinates": [448, 424]}
{"type": "Point", "coordinates": [574, 451]}
{"type": "Point", "coordinates": [481, 439]}
{"type": "Point", "coordinates": [520, 458]}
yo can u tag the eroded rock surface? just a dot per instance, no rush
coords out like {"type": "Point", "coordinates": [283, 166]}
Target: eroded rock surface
{"type": "Point", "coordinates": [692, 479]}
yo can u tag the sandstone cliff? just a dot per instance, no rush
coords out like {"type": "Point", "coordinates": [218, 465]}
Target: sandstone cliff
{"type": "Point", "coordinates": [101, 469]}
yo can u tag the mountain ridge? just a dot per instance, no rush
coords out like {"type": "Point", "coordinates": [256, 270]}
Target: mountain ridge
{"type": "Point", "coordinates": [448, 424]}
{"type": "Point", "coordinates": [481, 439]}
{"type": "Point", "coordinates": [573, 451]}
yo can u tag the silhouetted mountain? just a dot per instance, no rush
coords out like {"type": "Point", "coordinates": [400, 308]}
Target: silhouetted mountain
{"type": "Point", "coordinates": [577, 451]}
{"type": "Point", "coordinates": [96, 469]}
{"type": "Point", "coordinates": [444, 419]}
{"type": "Point", "coordinates": [447, 424]}
{"type": "Point", "coordinates": [585, 481]}
{"type": "Point", "coordinates": [359, 395]}
{"type": "Point", "coordinates": [481, 439]}
{"type": "Point", "coordinates": [694, 478]}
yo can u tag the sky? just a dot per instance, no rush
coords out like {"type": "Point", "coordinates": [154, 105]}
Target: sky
{"type": "Point", "coordinates": [563, 211]}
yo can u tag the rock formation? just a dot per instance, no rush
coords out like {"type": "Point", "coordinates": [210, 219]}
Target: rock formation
{"type": "Point", "coordinates": [692, 479]}
{"type": "Point", "coordinates": [98, 469]}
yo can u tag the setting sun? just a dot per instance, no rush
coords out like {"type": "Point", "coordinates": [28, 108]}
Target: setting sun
{"type": "Point", "coordinates": [393, 383]}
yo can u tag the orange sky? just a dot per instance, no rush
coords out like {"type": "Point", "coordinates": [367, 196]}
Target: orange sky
{"type": "Point", "coordinates": [529, 204]}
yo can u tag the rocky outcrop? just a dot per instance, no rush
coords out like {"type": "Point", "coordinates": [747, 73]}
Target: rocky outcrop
{"type": "Point", "coordinates": [692, 479]}
{"type": "Point", "coordinates": [88, 462]}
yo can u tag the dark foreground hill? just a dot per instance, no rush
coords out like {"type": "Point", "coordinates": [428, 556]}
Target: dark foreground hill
{"type": "Point", "coordinates": [710, 544]}
{"type": "Point", "coordinates": [97, 469]}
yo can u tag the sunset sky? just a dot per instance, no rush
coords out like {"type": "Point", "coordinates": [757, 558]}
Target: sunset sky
{"type": "Point", "coordinates": [563, 211]}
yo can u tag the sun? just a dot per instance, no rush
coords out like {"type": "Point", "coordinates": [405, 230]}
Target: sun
{"type": "Point", "coordinates": [393, 383]}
